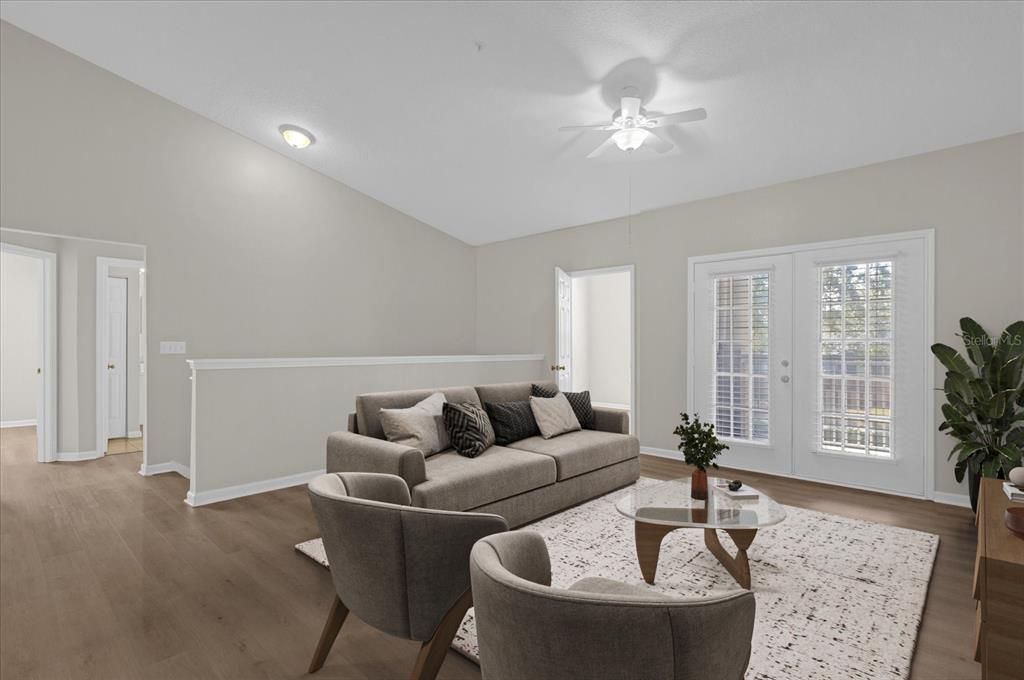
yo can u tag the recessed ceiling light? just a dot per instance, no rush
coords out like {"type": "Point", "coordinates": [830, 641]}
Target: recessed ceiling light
{"type": "Point", "coordinates": [296, 137]}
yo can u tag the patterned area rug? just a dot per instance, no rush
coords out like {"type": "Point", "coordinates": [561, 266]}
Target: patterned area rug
{"type": "Point", "coordinates": [837, 598]}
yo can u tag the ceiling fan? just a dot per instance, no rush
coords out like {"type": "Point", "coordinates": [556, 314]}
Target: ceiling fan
{"type": "Point", "coordinates": [632, 127]}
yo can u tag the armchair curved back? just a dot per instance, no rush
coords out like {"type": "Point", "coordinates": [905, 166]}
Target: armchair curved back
{"type": "Point", "coordinates": [399, 568]}
{"type": "Point", "coordinates": [527, 629]}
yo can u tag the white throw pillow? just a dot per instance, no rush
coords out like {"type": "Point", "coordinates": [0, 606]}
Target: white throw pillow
{"type": "Point", "coordinates": [420, 426]}
{"type": "Point", "coordinates": [554, 416]}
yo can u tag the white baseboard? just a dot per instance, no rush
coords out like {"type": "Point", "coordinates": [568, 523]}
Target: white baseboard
{"type": "Point", "coordinates": [162, 468]}
{"type": "Point", "coordinates": [135, 435]}
{"type": "Point", "coordinates": [72, 456]}
{"type": "Point", "coordinates": [226, 493]}
{"type": "Point", "coordinates": [661, 453]}
{"type": "Point", "coordinates": [958, 499]}
{"type": "Point", "coordinates": [18, 423]}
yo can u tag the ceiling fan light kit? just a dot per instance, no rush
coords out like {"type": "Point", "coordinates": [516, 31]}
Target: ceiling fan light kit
{"type": "Point", "coordinates": [632, 127]}
{"type": "Point", "coordinates": [630, 139]}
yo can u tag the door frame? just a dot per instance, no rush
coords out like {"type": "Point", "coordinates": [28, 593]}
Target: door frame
{"type": "Point", "coordinates": [46, 398]}
{"type": "Point", "coordinates": [615, 269]}
{"type": "Point", "coordinates": [103, 267]}
{"type": "Point", "coordinates": [928, 238]}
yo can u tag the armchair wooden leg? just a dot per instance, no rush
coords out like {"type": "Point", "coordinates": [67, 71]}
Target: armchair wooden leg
{"type": "Point", "coordinates": [332, 626]}
{"type": "Point", "coordinates": [433, 651]}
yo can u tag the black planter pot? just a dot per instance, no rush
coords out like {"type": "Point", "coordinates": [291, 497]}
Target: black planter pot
{"type": "Point", "coordinates": [974, 483]}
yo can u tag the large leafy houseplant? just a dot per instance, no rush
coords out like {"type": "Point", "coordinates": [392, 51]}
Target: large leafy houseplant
{"type": "Point", "coordinates": [984, 407]}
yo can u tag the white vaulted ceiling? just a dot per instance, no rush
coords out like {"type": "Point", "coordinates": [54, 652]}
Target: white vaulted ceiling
{"type": "Point", "coordinates": [450, 111]}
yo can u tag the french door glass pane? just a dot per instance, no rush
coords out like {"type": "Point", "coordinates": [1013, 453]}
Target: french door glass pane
{"type": "Point", "coordinates": [742, 356]}
{"type": "Point", "coordinates": [855, 345]}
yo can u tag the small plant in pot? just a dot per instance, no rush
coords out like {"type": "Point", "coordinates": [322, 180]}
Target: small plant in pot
{"type": "Point", "coordinates": [984, 407]}
{"type": "Point", "coordinates": [700, 447]}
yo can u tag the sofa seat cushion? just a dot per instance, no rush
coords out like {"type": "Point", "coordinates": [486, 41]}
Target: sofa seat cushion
{"type": "Point", "coordinates": [576, 453]}
{"type": "Point", "coordinates": [455, 482]}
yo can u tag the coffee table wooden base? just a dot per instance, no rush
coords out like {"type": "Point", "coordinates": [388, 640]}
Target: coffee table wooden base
{"type": "Point", "coordinates": [648, 548]}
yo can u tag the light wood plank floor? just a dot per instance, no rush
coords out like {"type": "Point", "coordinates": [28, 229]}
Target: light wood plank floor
{"type": "Point", "coordinates": [124, 445]}
{"type": "Point", "coordinates": [105, 574]}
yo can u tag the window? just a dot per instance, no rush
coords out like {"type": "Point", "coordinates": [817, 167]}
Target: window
{"type": "Point", "coordinates": [855, 369]}
{"type": "Point", "coordinates": [741, 356]}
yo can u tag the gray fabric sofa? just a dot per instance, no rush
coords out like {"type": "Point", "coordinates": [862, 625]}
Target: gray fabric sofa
{"type": "Point", "coordinates": [597, 629]}
{"type": "Point", "coordinates": [522, 482]}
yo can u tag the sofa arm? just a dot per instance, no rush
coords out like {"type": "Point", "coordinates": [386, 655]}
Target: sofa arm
{"type": "Point", "coordinates": [611, 420]}
{"type": "Point", "coordinates": [349, 452]}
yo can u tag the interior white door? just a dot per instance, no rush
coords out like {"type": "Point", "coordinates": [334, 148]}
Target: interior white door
{"type": "Point", "coordinates": [862, 399]}
{"type": "Point", "coordinates": [741, 358]}
{"type": "Point", "coordinates": [563, 330]}
{"type": "Point", "coordinates": [117, 357]}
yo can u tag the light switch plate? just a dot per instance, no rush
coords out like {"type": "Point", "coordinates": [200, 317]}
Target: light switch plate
{"type": "Point", "coordinates": [172, 347]}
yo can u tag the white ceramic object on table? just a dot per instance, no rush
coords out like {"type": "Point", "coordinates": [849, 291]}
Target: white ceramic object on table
{"type": "Point", "coordinates": [1017, 477]}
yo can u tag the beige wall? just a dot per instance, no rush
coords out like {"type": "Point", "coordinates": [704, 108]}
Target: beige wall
{"type": "Point", "coordinates": [20, 342]}
{"type": "Point", "coordinates": [971, 195]}
{"type": "Point", "coordinates": [600, 336]}
{"type": "Point", "coordinates": [254, 425]}
{"type": "Point", "coordinates": [248, 253]}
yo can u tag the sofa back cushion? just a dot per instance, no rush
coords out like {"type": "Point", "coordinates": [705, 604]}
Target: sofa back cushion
{"type": "Point", "coordinates": [368, 406]}
{"type": "Point", "coordinates": [502, 392]}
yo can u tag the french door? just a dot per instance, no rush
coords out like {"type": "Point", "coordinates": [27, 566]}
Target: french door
{"type": "Point", "coordinates": [743, 356]}
{"type": "Point", "coordinates": [813, 362]}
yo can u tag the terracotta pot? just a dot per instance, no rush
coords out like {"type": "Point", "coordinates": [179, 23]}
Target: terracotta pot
{"type": "Point", "coordinates": [699, 485]}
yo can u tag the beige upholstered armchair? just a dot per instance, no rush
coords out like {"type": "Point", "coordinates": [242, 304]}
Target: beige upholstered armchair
{"type": "Point", "coordinates": [598, 629]}
{"type": "Point", "coordinates": [401, 569]}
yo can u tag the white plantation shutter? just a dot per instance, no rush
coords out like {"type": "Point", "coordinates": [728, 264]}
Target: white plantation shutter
{"type": "Point", "coordinates": [741, 356]}
{"type": "Point", "coordinates": [856, 335]}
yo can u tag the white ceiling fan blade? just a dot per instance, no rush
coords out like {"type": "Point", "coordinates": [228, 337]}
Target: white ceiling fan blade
{"type": "Point", "coordinates": [599, 126]}
{"type": "Point", "coordinates": [657, 142]}
{"type": "Point", "coordinates": [681, 117]}
{"type": "Point", "coordinates": [605, 146]}
{"type": "Point", "coordinates": [630, 107]}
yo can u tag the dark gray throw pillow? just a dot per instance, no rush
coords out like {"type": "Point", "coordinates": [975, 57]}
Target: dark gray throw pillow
{"type": "Point", "coordinates": [580, 402]}
{"type": "Point", "coordinates": [512, 421]}
{"type": "Point", "coordinates": [469, 428]}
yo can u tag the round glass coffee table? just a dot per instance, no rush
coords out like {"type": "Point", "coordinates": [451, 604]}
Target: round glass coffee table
{"type": "Point", "coordinates": [662, 508]}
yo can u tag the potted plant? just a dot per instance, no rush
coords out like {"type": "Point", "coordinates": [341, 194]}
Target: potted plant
{"type": "Point", "coordinates": [700, 447]}
{"type": "Point", "coordinates": [984, 407]}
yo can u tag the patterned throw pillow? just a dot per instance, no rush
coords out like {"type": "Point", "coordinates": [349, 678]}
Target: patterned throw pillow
{"type": "Point", "coordinates": [469, 429]}
{"type": "Point", "coordinates": [580, 402]}
{"type": "Point", "coordinates": [512, 421]}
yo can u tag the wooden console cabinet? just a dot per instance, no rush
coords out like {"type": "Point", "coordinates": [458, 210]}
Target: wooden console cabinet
{"type": "Point", "coordinates": [999, 589]}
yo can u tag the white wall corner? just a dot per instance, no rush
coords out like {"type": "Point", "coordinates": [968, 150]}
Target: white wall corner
{"type": "Point", "coordinates": [227, 493]}
{"type": "Point", "coordinates": [162, 468]}
{"type": "Point", "coordinates": [73, 456]}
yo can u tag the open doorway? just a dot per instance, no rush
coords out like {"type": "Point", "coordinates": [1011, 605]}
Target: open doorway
{"type": "Point", "coordinates": [75, 417]}
{"type": "Point", "coordinates": [27, 354]}
{"type": "Point", "coordinates": [595, 336]}
{"type": "Point", "coordinates": [120, 345]}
